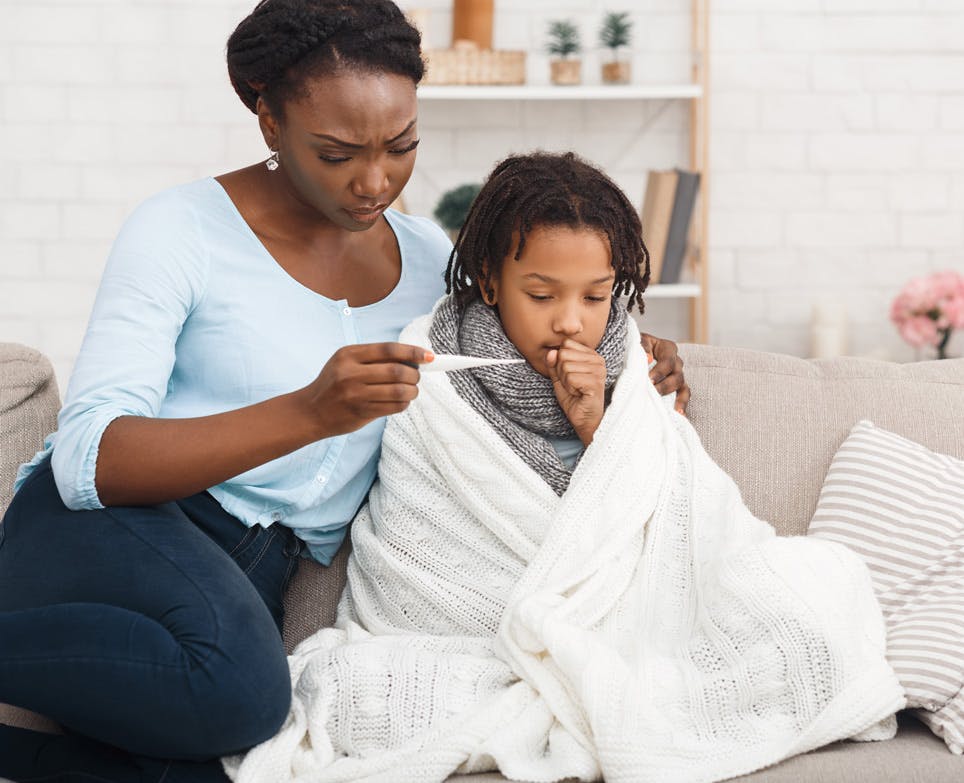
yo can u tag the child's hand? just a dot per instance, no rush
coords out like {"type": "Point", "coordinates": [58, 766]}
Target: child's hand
{"type": "Point", "coordinates": [578, 376]}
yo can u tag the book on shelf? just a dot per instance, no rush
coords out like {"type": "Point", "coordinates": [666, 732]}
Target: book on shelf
{"type": "Point", "coordinates": [666, 216]}
{"type": "Point", "coordinates": [656, 215]}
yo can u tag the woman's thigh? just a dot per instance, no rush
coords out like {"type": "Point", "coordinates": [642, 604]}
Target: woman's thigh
{"type": "Point", "coordinates": [131, 625]}
{"type": "Point", "coordinates": [268, 557]}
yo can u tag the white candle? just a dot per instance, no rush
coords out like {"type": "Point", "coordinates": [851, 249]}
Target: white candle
{"type": "Point", "coordinates": [828, 330]}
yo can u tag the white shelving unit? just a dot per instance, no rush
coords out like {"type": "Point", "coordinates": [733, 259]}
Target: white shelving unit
{"type": "Point", "coordinates": [674, 291]}
{"type": "Point", "coordinates": [522, 92]}
{"type": "Point", "coordinates": [696, 92]}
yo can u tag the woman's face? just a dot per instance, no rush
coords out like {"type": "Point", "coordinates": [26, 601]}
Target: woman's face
{"type": "Point", "coordinates": [347, 147]}
{"type": "Point", "coordinates": [560, 287]}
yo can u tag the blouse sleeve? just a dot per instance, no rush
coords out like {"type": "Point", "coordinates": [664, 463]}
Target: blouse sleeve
{"type": "Point", "coordinates": [155, 276]}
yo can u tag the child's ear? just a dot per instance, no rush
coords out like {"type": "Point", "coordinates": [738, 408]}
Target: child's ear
{"type": "Point", "coordinates": [489, 289]}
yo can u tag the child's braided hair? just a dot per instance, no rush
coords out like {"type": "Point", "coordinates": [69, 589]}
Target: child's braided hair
{"type": "Point", "coordinates": [524, 192]}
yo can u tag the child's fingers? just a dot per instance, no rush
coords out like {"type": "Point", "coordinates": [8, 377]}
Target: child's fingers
{"type": "Point", "coordinates": [552, 364]}
{"type": "Point", "coordinates": [570, 345]}
{"type": "Point", "coordinates": [583, 384]}
{"type": "Point", "coordinates": [582, 374]}
{"type": "Point", "coordinates": [570, 360]}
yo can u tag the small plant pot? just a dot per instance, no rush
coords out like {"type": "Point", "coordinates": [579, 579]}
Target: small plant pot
{"type": "Point", "coordinates": [566, 72]}
{"type": "Point", "coordinates": [617, 73]}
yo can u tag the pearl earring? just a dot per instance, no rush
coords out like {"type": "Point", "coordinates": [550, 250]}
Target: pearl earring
{"type": "Point", "coordinates": [272, 162]}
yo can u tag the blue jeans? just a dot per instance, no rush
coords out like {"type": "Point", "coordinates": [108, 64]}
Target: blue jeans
{"type": "Point", "coordinates": [152, 634]}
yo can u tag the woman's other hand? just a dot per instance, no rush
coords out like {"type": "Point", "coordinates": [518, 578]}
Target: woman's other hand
{"type": "Point", "coordinates": [578, 376]}
{"type": "Point", "coordinates": [667, 375]}
{"type": "Point", "coordinates": [361, 383]}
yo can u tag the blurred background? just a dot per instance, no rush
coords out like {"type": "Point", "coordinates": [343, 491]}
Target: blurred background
{"type": "Point", "coordinates": [829, 140]}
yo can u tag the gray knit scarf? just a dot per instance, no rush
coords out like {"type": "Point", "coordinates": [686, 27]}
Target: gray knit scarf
{"type": "Point", "coordinates": [516, 400]}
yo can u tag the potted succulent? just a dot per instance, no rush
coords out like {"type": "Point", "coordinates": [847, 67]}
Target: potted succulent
{"type": "Point", "coordinates": [453, 207]}
{"type": "Point", "coordinates": [615, 35]}
{"type": "Point", "coordinates": [563, 43]}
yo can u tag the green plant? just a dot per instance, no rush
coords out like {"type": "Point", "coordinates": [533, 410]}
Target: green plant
{"type": "Point", "coordinates": [453, 207]}
{"type": "Point", "coordinates": [563, 38]}
{"type": "Point", "coordinates": [615, 30]}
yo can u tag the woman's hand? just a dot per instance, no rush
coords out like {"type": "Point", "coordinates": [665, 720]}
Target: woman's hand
{"type": "Point", "coordinates": [361, 383]}
{"type": "Point", "coordinates": [578, 376]}
{"type": "Point", "coordinates": [667, 375]}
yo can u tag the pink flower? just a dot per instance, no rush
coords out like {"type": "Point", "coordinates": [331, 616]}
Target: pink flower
{"type": "Point", "coordinates": [928, 308]}
{"type": "Point", "coordinates": [954, 311]}
{"type": "Point", "coordinates": [919, 331]}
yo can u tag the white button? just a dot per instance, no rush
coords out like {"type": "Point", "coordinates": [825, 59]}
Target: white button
{"type": "Point", "coordinates": [276, 516]}
{"type": "Point", "coordinates": [347, 311]}
{"type": "Point", "coordinates": [321, 479]}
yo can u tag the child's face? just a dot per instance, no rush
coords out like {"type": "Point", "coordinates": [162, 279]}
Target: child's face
{"type": "Point", "coordinates": [559, 288]}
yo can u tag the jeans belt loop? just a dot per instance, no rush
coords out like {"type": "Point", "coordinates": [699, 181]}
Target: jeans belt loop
{"type": "Point", "coordinates": [292, 546]}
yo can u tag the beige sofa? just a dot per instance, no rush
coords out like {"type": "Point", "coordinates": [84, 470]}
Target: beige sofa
{"type": "Point", "coordinates": [772, 421]}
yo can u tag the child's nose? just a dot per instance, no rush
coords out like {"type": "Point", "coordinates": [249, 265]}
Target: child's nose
{"type": "Point", "coordinates": [568, 321]}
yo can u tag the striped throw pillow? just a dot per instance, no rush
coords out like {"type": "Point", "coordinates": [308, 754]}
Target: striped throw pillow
{"type": "Point", "coordinates": [901, 507]}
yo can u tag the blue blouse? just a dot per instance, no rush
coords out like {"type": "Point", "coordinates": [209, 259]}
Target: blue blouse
{"type": "Point", "coordinates": [194, 317]}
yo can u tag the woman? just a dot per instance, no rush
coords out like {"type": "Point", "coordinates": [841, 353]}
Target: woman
{"type": "Point", "coordinates": [200, 451]}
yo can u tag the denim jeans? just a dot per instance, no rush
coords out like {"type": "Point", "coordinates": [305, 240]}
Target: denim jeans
{"type": "Point", "coordinates": [152, 634]}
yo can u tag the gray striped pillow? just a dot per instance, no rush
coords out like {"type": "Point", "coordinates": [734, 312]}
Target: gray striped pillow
{"type": "Point", "coordinates": [901, 507]}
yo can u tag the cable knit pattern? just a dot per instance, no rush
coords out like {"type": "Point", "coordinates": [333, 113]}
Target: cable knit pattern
{"type": "Point", "coordinates": [644, 626]}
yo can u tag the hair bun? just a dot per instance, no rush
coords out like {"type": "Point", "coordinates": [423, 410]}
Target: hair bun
{"type": "Point", "coordinates": [279, 34]}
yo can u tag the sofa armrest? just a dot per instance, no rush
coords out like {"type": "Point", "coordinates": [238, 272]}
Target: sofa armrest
{"type": "Point", "coordinates": [29, 402]}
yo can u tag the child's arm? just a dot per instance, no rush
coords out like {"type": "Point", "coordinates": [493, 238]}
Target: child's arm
{"type": "Point", "coordinates": [578, 376]}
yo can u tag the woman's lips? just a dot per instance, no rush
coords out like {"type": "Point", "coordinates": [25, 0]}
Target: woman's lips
{"type": "Point", "coordinates": [367, 214]}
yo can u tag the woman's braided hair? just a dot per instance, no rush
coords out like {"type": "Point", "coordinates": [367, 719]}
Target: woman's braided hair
{"type": "Point", "coordinates": [283, 42]}
{"type": "Point", "coordinates": [544, 189]}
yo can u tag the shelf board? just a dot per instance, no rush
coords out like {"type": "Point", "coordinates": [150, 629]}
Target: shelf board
{"type": "Point", "coordinates": [545, 92]}
{"type": "Point", "coordinates": [672, 291]}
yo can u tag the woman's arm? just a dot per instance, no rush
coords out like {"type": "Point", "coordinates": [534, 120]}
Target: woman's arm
{"type": "Point", "coordinates": [667, 375]}
{"type": "Point", "coordinates": [144, 460]}
{"type": "Point", "coordinates": [113, 446]}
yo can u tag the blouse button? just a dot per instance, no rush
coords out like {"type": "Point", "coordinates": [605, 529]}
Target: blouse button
{"type": "Point", "coordinates": [347, 311]}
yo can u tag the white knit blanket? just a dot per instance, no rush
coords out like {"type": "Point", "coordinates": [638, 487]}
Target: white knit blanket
{"type": "Point", "coordinates": [642, 627]}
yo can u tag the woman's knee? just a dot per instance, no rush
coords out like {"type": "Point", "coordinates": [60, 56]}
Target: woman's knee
{"type": "Point", "coordinates": [247, 700]}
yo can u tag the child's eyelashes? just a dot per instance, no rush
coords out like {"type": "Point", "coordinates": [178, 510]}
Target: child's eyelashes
{"type": "Point", "coordinates": [546, 298]}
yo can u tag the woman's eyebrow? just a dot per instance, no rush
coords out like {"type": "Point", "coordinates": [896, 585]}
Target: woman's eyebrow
{"type": "Point", "coordinates": [348, 144]}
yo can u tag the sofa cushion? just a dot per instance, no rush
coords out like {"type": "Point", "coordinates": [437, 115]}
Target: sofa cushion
{"type": "Point", "coordinates": [900, 506]}
{"type": "Point", "coordinates": [774, 422]}
{"type": "Point", "coordinates": [913, 756]}
{"type": "Point", "coordinates": [312, 596]}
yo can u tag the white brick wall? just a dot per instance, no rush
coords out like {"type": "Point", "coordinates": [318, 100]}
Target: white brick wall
{"type": "Point", "coordinates": [844, 180]}
{"type": "Point", "coordinates": [837, 149]}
